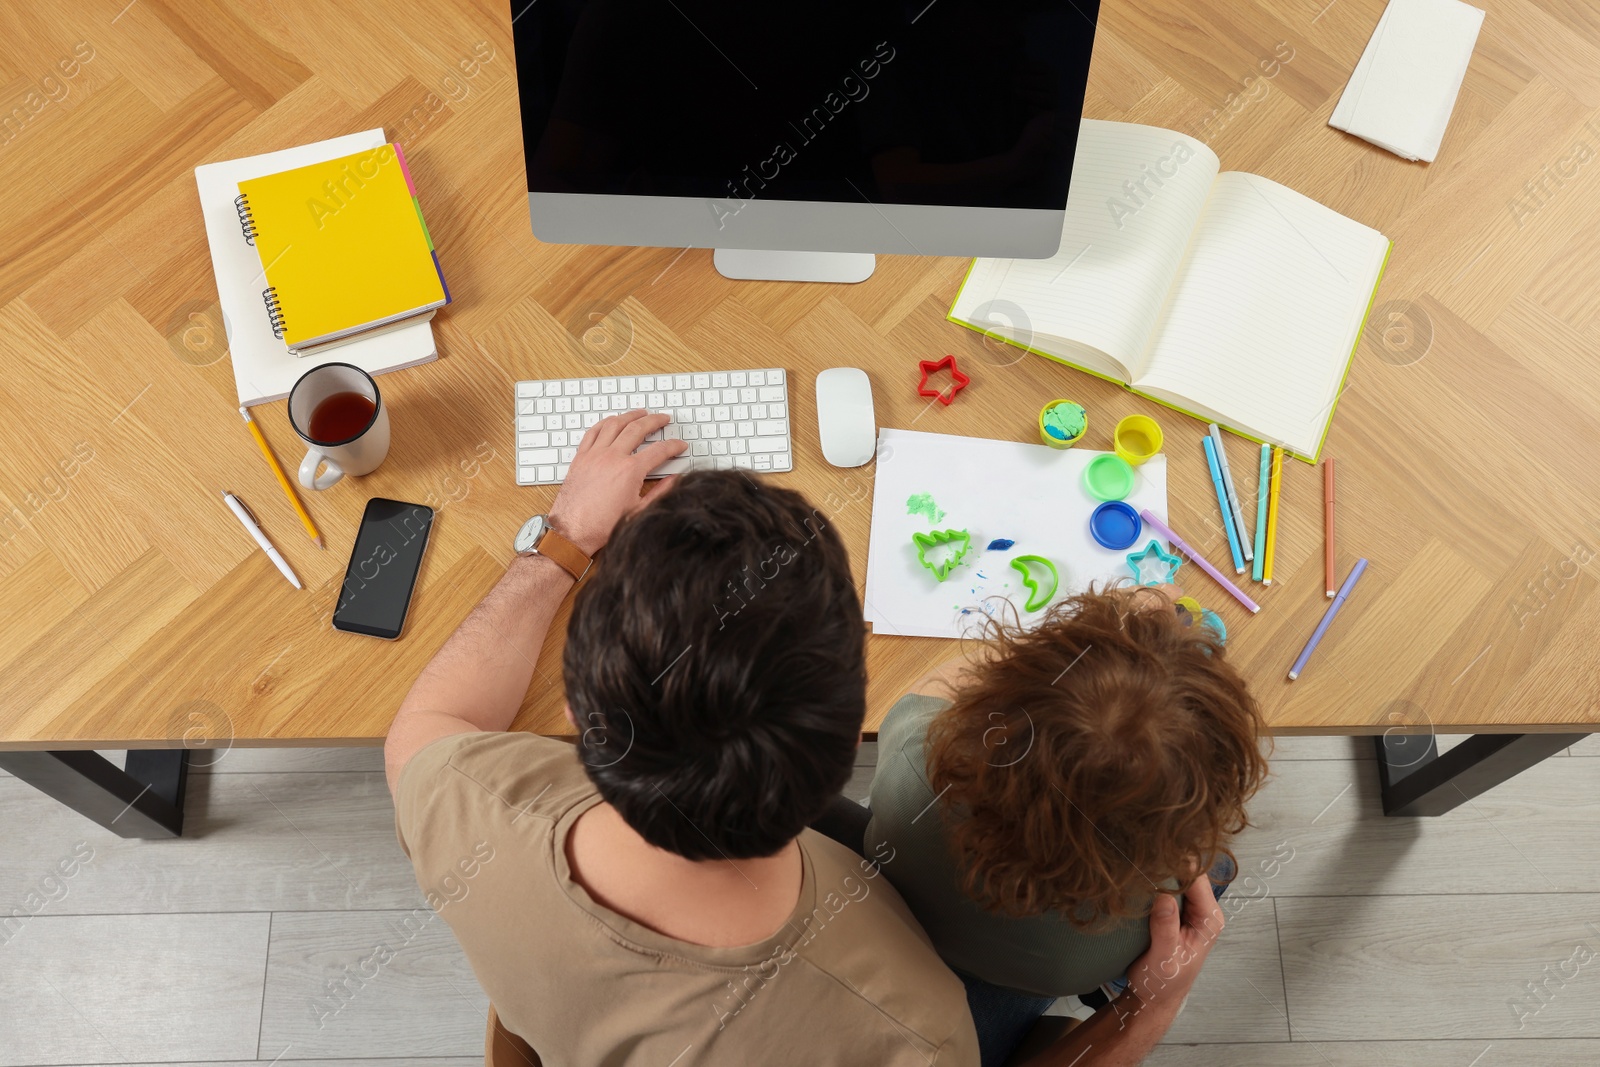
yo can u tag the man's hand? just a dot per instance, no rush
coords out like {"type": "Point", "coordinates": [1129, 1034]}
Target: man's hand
{"type": "Point", "coordinates": [1179, 944]}
{"type": "Point", "coordinates": [603, 483]}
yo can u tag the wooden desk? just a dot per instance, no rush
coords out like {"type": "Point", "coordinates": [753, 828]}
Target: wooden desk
{"type": "Point", "coordinates": [136, 614]}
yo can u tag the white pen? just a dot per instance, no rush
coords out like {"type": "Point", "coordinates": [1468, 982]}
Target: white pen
{"type": "Point", "coordinates": [1233, 497]}
{"type": "Point", "coordinates": [236, 506]}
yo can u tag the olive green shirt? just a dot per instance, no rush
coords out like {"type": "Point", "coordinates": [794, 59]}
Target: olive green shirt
{"type": "Point", "coordinates": [1045, 955]}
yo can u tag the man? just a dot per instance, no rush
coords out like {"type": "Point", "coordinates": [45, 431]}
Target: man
{"type": "Point", "coordinates": [651, 895]}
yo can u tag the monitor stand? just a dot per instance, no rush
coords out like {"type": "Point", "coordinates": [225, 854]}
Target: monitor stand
{"type": "Point", "coordinates": [761, 265]}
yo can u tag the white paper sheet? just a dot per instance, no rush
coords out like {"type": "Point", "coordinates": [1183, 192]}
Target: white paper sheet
{"type": "Point", "coordinates": [1029, 494]}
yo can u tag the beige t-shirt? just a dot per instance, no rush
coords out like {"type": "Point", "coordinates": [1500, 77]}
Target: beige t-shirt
{"type": "Point", "coordinates": [850, 979]}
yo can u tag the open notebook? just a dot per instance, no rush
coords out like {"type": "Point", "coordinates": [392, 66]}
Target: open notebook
{"type": "Point", "coordinates": [1224, 295]}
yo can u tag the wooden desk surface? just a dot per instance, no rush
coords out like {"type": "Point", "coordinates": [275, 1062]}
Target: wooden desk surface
{"type": "Point", "coordinates": [135, 612]}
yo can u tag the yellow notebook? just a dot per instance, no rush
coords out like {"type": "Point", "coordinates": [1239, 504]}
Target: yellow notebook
{"type": "Point", "coordinates": [343, 247]}
{"type": "Point", "coordinates": [1223, 295]}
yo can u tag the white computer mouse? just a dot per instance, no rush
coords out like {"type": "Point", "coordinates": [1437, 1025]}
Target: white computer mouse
{"type": "Point", "coordinates": [845, 420]}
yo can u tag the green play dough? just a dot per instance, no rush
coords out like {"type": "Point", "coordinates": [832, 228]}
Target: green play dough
{"type": "Point", "coordinates": [1068, 418]}
{"type": "Point", "coordinates": [922, 504]}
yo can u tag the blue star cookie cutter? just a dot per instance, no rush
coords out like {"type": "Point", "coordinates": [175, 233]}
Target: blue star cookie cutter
{"type": "Point", "coordinates": [1144, 563]}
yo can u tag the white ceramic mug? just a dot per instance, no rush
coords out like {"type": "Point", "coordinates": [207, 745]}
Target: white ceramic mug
{"type": "Point", "coordinates": [358, 453]}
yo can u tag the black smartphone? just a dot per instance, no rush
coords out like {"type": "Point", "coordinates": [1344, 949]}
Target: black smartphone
{"type": "Point", "coordinates": [383, 568]}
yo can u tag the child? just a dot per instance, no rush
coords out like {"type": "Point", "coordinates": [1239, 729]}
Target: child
{"type": "Point", "coordinates": [1036, 800]}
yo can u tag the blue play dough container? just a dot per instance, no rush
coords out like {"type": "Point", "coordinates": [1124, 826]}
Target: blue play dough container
{"type": "Point", "coordinates": [1115, 525]}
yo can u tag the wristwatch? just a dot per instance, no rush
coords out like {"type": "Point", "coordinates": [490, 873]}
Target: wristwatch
{"type": "Point", "coordinates": [538, 538]}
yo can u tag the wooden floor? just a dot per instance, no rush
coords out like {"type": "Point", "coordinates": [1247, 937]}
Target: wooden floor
{"type": "Point", "coordinates": [1379, 943]}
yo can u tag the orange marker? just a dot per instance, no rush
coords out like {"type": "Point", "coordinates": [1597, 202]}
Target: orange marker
{"type": "Point", "coordinates": [1327, 521]}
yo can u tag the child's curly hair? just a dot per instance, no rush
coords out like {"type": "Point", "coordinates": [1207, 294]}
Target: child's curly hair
{"type": "Point", "coordinates": [1093, 760]}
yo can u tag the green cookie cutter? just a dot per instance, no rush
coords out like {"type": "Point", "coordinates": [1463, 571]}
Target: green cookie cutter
{"type": "Point", "coordinates": [933, 538]}
{"type": "Point", "coordinates": [1037, 598]}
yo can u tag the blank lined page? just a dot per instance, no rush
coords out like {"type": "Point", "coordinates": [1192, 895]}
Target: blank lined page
{"type": "Point", "coordinates": [1137, 193]}
{"type": "Point", "coordinates": [1266, 311]}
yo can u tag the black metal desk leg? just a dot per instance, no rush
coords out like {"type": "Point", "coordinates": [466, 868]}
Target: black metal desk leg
{"type": "Point", "coordinates": [1417, 780]}
{"type": "Point", "coordinates": [146, 800]}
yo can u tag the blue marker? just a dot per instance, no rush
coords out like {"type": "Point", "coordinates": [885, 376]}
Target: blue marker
{"type": "Point", "coordinates": [1261, 511]}
{"type": "Point", "coordinates": [1222, 502]}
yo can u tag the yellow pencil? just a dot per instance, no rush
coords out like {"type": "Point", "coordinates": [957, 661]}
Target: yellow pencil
{"type": "Point", "coordinates": [283, 479]}
{"type": "Point", "coordinates": [1272, 514]}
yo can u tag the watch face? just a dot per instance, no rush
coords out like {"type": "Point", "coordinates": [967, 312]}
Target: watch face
{"type": "Point", "coordinates": [528, 537]}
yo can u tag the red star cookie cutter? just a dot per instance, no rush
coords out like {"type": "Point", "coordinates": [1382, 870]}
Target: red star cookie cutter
{"type": "Point", "coordinates": [958, 381]}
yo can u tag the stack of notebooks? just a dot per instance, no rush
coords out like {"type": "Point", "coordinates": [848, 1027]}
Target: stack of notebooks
{"type": "Point", "coordinates": [320, 253]}
{"type": "Point", "coordinates": [1219, 293]}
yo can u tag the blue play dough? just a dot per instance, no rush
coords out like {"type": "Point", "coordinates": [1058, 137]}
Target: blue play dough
{"type": "Point", "coordinates": [1000, 544]}
{"type": "Point", "coordinates": [1114, 525]}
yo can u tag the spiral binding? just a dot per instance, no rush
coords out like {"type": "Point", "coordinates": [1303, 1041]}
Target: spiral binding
{"type": "Point", "coordinates": [274, 311]}
{"type": "Point", "coordinates": [247, 222]}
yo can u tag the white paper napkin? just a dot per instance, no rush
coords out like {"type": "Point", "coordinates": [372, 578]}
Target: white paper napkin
{"type": "Point", "coordinates": [1405, 85]}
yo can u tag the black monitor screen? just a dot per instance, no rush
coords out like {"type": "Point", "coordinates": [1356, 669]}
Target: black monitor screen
{"type": "Point", "coordinates": [971, 103]}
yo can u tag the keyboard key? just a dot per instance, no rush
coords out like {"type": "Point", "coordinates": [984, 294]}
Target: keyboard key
{"type": "Point", "coordinates": [690, 431]}
{"type": "Point", "coordinates": [608, 385]}
{"type": "Point", "coordinates": [656, 400]}
{"type": "Point", "coordinates": [780, 462]}
{"type": "Point", "coordinates": [547, 474]}
{"type": "Point", "coordinates": [742, 412]}
{"type": "Point", "coordinates": [758, 377]}
{"type": "Point", "coordinates": [683, 415]}
{"type": "Point", "coordinates": [561, 473]}
{"type": "Point", "coordinates": [748, 396]}
{"type": "Point", "coordinates": [558, 437]}
{"type": "Point", "coordinates": [590, 418]}
{"type": "Point", "coordinates": [571, 387]}
{"type": "Point", "coordinates": [724, 463]}
{"type": "Point", "coordinates": [580, 403]}
{"type": "Point", "coordinates": [530, 389]}
{"type": "Point", "coordinates": [530, 422]}
{"type": "Point", "coordinates": [526, 407]}
{"type": "Point", "coordinates": [742, 462]}
{"type": "Point", "coordinates": [769, 393]}
{"type": "Point", "coordinates": [567, 454]}
{"type": "Point", "coordinates": [545, 406]}
{"type": "Point", "coordinates": [729, 396]}
{"type": "Point", "coordinates": [701, 448]}
{"type": "Point", "coordinates": [619, 403]}
{"type": "Point", "coordinates": [739, 446]}
{"type": "Point", "coordinates": [761, 463]}
{"type": "Point", "coordinates": [675, 465]}
{"type": "Point", "coordinates": [719, 448]}
{"type": "Point", "coordinates": [533, 440]}
{"type": "Point", "coordinates": [768, 444]}
{"type": "Point", "coordinates": [563, 403]}
{"type": "Point", "coordinates": [591, 386]}
{"type": "Point", "coordinates": [682, 381]}
{"type": "Point", "coordinates": [652, 436]}
{"type": "Point", "coordinates": [778, 411]}
{"type": "Point", "coordinates": [675, 400]}
{"type": "Point", "coordinates": [646, 383]}
{"type": "Point", "coordinates": [702, 414]}
{"type": "Point", "coordinates": [572, 420]}
{"type": "Point", "coordinates": [775, 377]}
{"type": "Point", "coordinates": [701, 381]}
{"type": "Point", "coordinates": [719, 380]}
{"type": "Point", "coordinates": [721, 414]}
{"type": "Point", "coordinates": [771, 426]}
{"type": "Point", "coordinates": [671, 432]}
{"type": "Point", "coordinates": [738, 379]}
{"type": "Point", "coordinates": [575, 437]}
{"type": "Point", "coordinates": [635, 401]}
{"type": "Point", "coordinates": [757, 411]}
{"type": "Point", "coordinates": [529, 457]}
{"type": "Point", "coordinates": [747, 429]}
{"type": "Point", "coordinates": [627, 385]}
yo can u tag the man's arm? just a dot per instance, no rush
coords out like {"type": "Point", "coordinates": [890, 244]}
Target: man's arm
{"type": "Point", "coordinates": [1123, 1032]}
{"type": "Point", "coordinates": [477, 679]}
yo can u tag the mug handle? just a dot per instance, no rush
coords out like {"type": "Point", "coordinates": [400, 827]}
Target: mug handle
{"type": "Point", "coordinates": [309, 476]}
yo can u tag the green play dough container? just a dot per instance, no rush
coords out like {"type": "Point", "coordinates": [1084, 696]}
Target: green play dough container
{"type": "Point", "coordinates": [1108, 477]}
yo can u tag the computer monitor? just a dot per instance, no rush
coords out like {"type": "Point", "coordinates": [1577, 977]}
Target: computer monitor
{"type": "Point", "coordinates": [799, 139]}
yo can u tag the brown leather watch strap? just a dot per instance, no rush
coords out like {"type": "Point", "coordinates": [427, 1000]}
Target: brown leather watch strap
{"type": "Point", "coordinates": [564, 552]}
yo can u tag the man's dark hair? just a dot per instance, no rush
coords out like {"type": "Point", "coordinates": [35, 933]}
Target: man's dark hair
{"type": "Point", "coordinates": [716, 665]}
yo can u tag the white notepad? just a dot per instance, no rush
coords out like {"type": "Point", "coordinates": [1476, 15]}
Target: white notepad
{"type": "Point", "coordinates": [263, 367]}
{"type": "Point", "coordinates": [1404, 88]}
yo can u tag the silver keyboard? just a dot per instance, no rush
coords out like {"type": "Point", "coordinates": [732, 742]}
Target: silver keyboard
{"type": "Point", "coordinates": [731, 419]}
